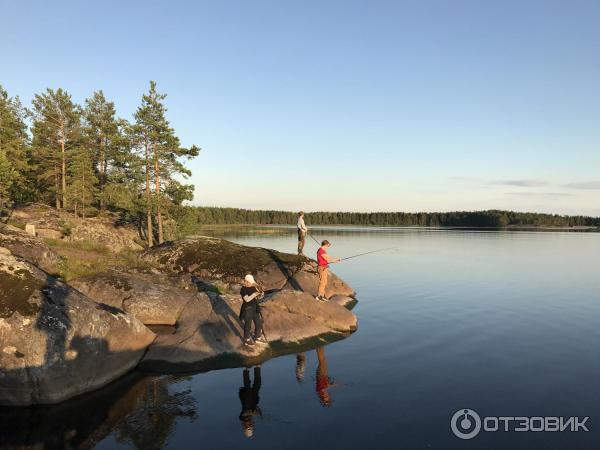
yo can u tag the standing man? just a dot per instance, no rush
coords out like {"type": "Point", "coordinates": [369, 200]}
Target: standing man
{"type": "Point", "coordinates": [250, 312]}
{"type": "Point", "coordinates": [302, 230]}
{"type": "Point", "coordinates": [323, 260]}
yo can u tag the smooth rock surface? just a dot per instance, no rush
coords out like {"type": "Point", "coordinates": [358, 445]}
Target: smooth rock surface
{"type": "Point", "coordinates": [209, 334]}
{"type": "Point", "coordinates": [343, 300]}
{"type": "Point", "coordinates": [56, 343]}
{"type": "Point", "coordinates": [152, 299]}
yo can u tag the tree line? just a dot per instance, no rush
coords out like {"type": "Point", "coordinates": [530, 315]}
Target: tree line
{"type": "Point", "coordinates": [87, 160]}
{"type": "Point", "coordinates": [190, 218]}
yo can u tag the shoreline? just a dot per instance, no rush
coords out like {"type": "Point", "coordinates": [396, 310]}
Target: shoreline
{"type": "Point", "coordinates": [405, 227]}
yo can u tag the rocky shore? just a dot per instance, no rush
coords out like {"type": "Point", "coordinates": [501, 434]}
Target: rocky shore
{"type": "Point", "coordinates": [59, 340]}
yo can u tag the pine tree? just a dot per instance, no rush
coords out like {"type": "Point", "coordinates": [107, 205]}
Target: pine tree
{"type": "Point", "coordinates": [15, 164]}
{"type": "Point", "coordinates": [102, 132]}
{"type": "Point", "coordinates": [82, 180]}
{"type": "Point", "coordinates": [161, 153]}
{"type": "Point", "coordinates": [56, 130]}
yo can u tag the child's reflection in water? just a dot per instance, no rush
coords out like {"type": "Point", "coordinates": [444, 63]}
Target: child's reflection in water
{"type": "Point", "coordinates": [323, 382]}
{"type": "Point", "coordinates": [249, 400]}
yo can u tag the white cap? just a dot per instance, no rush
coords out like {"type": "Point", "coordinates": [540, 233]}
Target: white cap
{"type": "Point", "coordinates": [250, 279]}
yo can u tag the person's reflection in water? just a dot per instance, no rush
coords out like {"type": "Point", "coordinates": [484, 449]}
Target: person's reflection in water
{"type": "Point", "coordinates": [323, 382]}
{"type": "Point", "coordinates": [300, 367]}
{"type": "Point", "coordinates": [249, 400]}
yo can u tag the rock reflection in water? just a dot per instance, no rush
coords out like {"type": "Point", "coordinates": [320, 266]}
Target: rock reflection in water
{"type": "Point", "coordinates": [139, 409]}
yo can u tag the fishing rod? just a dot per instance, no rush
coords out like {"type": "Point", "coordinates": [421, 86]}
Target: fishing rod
{"type": "Point", "coordinates": [354, 256]}
{"type": "Point", "coordinates": [367, 253]}
{"type": "Point", "coordinates": [313, 238]}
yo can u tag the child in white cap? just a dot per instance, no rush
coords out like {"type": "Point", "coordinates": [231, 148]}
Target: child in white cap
{"type": "Point", "coordinates": [250, 312]}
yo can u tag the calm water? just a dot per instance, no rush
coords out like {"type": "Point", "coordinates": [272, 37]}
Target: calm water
{"type": "Point", "coordinates": [505, 323]}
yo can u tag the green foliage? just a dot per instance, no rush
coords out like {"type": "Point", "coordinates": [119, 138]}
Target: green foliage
{"type": "Point", "coordinates": [15, 162]}
{"type": "Point", "coordinates": [88, 160]}
{"type": "Point", "coordinates": [190, 219]}
{"type": "Point", "coordinates": [161, 151]}
{"type": "Point", "coordinates": [82, 180]}
{"type": "Point", "coordinates": [56, 132]}
{"type": "Point", "coordinates": [65, 227]}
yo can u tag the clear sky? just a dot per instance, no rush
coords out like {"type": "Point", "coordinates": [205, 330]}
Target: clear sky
{"type": "Point", "coordinates": [343, 105]}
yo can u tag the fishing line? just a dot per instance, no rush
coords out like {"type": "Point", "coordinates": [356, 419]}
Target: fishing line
{"type": "Point", "coordinates": [312, 237]}
{"type": "Point", "coordinates": [368, 253]}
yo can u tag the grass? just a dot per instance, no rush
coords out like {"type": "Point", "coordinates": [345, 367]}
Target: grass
{"type": "Point", "coordinates": [86, 246]}
{"type": "Point", "coordinates": [17, 223]}
{"type": "Point", "coordinates": [85, 258]}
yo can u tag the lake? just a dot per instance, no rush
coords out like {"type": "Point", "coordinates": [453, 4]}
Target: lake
{"type": "Point", "coordinates": [504, 323]}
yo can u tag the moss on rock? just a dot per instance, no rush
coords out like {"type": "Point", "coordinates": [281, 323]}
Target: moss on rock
{"type": "Point", "coordinates": [220, 257]}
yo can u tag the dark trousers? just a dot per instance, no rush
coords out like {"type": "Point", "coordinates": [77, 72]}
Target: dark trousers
{"type": "Point", "coordinates": [301, 236]}
{"type": "Point", "coordinates": [251, 313]}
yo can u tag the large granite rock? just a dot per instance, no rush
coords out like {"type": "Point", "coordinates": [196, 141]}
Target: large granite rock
{"type": "Point", "coordinates": [209, 334]}
{"type": "Point", "coordinates": [217, 259]}
{"type": "Point", "coordinates": [28, 247]}
{"type": "Point", "coordinates": [56, 343]}
{"type": "Point", "coordinates": [153, 299]}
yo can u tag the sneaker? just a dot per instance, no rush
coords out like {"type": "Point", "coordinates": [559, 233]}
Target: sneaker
{"type": "Point", "coordinates": [321, 298]}
{"type": "Point", "coordinates": [249, 342]}
{"type": "Point", "coordinates": [261, 340]}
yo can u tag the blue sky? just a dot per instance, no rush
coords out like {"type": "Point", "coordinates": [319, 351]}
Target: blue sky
{"type": "Point", "coordinates": [343, 105]}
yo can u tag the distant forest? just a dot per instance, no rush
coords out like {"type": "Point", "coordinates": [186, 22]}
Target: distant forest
{"type": "Point", "coordinates": [492, 218]}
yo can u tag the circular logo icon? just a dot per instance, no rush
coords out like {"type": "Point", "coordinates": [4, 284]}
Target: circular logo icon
{"type": "Point", "coordinates": [465, 424]}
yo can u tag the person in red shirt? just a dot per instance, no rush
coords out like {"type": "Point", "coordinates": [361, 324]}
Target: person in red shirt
{"type": "Point", "coordinates": [323, 261]}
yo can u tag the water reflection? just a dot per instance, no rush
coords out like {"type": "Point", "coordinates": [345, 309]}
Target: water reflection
{"type": "Point", "coordinates": [140, 410]}
{"type": "Point", "coordinates": [249, 399]}
{"type": "Point", "coordinates": [323, 381]}
{"type": "Point", "coordinates": [153, 418]}
{"type": "Point", "coordinates": [300, 367]}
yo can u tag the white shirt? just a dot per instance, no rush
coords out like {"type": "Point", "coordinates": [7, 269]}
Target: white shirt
{"type": "Point", "coordinates": [301, 225]}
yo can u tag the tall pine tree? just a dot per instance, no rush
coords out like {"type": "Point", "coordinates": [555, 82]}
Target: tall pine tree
{"type": "Point", "coordinates": [103, 138]}
{"type": "Point", "coordinates": [15, 163]}
{"type": "Point", "coordinates": [82, 180]}
{"type": "Point", "coordinates": [56, 130]}
{"type": "Point", "coordinates": [161, 153]}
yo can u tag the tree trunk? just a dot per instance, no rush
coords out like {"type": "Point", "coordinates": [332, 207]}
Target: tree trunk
{"type": "Point", "coordinates": [148, 200]}
{"type": "Point", "coordinates": [56, 185]}
{"type": "Point", "coordinates": [83, 194]}
{"type": "Point", "coordinates": [157, 195]}
{"type": "Point", "coordinates": [102, 172]}
{"type": "Point", "coordinates": [64, 167]}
